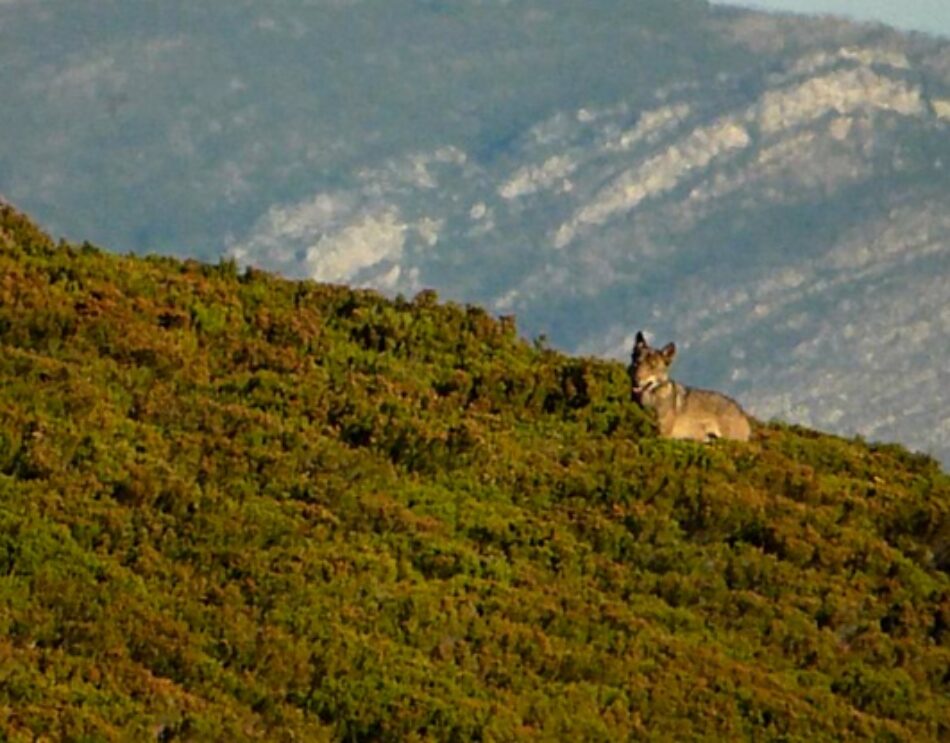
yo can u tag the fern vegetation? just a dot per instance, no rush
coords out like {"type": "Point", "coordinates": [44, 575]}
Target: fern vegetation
{"type": "Point", "coordinates": [238, 507]}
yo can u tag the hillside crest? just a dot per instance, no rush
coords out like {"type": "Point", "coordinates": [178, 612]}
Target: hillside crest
{"type": "Point", "coordinates": [236, 506]}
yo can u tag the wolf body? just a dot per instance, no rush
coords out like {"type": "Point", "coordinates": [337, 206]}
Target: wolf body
{"type": "Point", "coordinates": [682, 412]}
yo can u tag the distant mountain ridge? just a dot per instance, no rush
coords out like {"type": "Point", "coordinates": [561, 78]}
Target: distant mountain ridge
{"type": "Point", "coordinates": [769, 191]}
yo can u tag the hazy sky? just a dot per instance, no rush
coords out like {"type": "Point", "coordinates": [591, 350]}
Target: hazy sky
{"type": "Point", "coordinates": [932, 16]}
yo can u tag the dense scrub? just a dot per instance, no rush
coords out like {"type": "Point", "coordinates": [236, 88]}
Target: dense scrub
{"type": "Point", "coordinates": [233, 506]}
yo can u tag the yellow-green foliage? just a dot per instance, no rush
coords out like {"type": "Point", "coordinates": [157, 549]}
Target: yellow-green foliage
{"type": "Point", "coordinates": [235, 507]}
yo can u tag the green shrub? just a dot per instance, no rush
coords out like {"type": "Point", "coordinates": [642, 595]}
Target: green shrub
{"type": "Point", "coordinates": [233, 506]}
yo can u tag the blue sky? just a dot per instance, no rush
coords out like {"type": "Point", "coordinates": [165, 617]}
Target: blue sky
{"type": "Point", "coordinates": [932, 16]}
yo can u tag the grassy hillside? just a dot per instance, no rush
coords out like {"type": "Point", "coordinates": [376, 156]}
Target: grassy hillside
{"type": "Point", "coordinates": [238, 507]}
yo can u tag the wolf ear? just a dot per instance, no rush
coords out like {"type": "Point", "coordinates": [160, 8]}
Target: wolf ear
{"type": "Point", "coordinates": [640, 342]}
{"type": "Point", "coordinates": [668, 352]}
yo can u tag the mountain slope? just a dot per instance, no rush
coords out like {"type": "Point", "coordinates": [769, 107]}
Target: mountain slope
{"type": "Point", "coordinates": [232, 505]}
{"type": "Point", "coordinates": [787, 226]}
{"type": "Point", "coordinates": [768, 191]}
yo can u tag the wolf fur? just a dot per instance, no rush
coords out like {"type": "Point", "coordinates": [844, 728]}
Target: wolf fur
{"type": "Point", "coordinates": [682, 412]}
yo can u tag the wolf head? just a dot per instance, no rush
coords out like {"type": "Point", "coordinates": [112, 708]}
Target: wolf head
{"type": "Point", "coordinates": [649, 367]}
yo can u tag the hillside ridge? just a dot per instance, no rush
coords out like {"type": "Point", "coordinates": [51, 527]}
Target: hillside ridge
{"type": "Point", "coordinates": [768, 188]}
{"type": "Point", "coordinates": [238, 506]}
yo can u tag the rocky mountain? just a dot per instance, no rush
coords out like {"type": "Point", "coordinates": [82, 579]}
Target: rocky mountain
{"type": "Point", "coordinates": [768, 191]}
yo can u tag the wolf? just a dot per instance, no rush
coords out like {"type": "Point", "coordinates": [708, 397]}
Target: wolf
{"type": "Point", "coordinates": [682, 412]}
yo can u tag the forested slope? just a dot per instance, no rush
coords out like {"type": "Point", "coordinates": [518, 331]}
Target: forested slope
{"type": "Point", "coordinates": [239, 507]}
